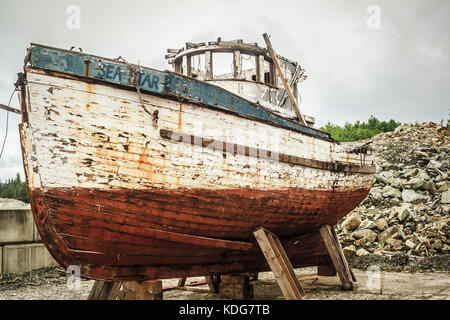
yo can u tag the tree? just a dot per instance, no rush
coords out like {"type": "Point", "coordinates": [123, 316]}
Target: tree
{"type": "Point", "coordinates": [14, 188]}
{"type": "Point", "coordinates": [358, 130]}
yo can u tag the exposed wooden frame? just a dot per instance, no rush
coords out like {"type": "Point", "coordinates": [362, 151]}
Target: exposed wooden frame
{"type": "Point", "coordinates": [208, 65]}
{"type": "Point", "coordinates": [283, 80]}
{"type": "Point", "coordinates": [277, 259]}
{"type": "Point", "coordinates": [237, 64]}
{"type": "Point", "coordinates": [297, 73]}
{"type": "Point", "coordinates": [279, 264]}
{"type": "Point", "coordinates": [184, 65]}
{"type": "Point", "coordinates": [189, 66]}
{"type": "Point", "coordinates": [260, 69]}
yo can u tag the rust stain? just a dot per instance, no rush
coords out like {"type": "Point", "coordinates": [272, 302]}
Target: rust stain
{"type": "Point", "coordinates": [145, 166]}
{"type": "Point", "coordinates": [90, 88]}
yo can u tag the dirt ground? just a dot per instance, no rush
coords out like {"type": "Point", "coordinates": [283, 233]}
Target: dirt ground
{"type": "Point", "coordinates": [51, 284]}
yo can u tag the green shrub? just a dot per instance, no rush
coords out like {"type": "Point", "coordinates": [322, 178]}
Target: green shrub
{"type": "Point", "coordinates": [14, 189]}
{"type": "Point", "coordinates": [358, 130]}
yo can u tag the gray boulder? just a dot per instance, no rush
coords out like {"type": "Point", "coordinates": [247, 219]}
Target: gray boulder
{"type": "Point", "coordinates": [411, 196]}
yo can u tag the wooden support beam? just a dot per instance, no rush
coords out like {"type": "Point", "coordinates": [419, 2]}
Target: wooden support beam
{"type": "Point", "coordinates": [297, 73]}
{"type": "Point", "coordinates": [104, 290]}
{"type": "Point", "coordinates": [327, 270]}
{"type": "Point", "coordinates": [213, 283]}
{"type": "Point", "coordinates": [237, 65]}
{"type": "Point", "coordinates": [279, 264]}
{"type": "Point", "coordinates": [208, 65]}
{"type": "Point", "coordinates": [283, 80]}
{"type": "Point", "coordinates": [273, 75]}
{"type": "Point", "coordinates": [235, 286]}
{"type": "Point", "coordinates": [178, 67]}
{"type": "Point", "coordinates": [10, 109]}
{"type": "Point", "coordinates": [337, 256]}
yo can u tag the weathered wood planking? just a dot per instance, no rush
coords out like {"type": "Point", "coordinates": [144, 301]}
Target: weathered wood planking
{"type": "Point", "coordinates": [112, 195]}
{"type": "Point", "coordinates": [157, 82]}
{"type": "Point", "coordinates": [127, 113]}
{"type": "Point", "coordinates": [104, 290]}
{"type": "Point", "coordinates": [279, 264]}
{"type": "Point", "coordinates": [337, 257]}
{"type": "Point", "coordinates": [283, 80]}
{"type": "Point", "coordinates": [105, 152]}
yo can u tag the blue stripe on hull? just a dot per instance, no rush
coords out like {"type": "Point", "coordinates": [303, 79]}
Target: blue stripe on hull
{"type": "Point", "coordinates": [159, 82]}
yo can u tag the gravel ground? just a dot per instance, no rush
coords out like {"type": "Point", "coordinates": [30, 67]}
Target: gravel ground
{"type": "Point", "coordinates": [51, 284]}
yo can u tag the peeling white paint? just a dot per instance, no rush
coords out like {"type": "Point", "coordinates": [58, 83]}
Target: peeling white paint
{"type": "Point", "coordinates": [97, 136]}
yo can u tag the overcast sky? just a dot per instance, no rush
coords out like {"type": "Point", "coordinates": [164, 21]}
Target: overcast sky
{"type": "Point", "coordinates": [361, 61]}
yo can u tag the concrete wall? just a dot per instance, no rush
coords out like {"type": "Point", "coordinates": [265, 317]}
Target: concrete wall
{"type": "Point", "coordinates": [21, 249]}
{"type": "Point", "coordinates": [16, 226]}
{"type": "Point", "coordinates": [18, 258]}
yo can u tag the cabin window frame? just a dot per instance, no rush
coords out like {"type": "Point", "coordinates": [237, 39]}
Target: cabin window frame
{"type": "Point", "coordinates": [266, 78]}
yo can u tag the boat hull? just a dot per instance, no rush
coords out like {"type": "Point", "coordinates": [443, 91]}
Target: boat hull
{"type": "Point", "coordinates": [121, 230]}
{"type": "Point", "coordinates": [111, 194]}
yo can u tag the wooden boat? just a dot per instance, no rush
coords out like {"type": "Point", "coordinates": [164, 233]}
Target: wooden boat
{"type": "Point", "coordinates": [136, 173]}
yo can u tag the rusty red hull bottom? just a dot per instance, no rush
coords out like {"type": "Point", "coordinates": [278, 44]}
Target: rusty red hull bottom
{"type": "Point", "coordinates": [149, 234]}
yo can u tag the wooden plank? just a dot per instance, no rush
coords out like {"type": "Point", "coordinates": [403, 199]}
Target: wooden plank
{"type": "Point", "coordinates": [178, 67]}
{"type": "Point", "coordinates": [337, 256]}
{"type": "Point", "coordinates": [283, 80]}
{"type": "Point", "coordinates": [235, 286]}
{"type": "Point", "coordinates": [208, 65]}
{"type": "Point", "coordinates": [327, 270]}
{"type": "Point", "coordinates": [186, 66]}
{"type": "Point", "coordinates": [298, 71]}
{"type": "Point", "coordinates": [279, 264]}
{"type": "Point", "coordinates": [287, 267]}
{"type": "Point", "coordinates": [189, 66]}
{"type": "Point", "coordinates": [342, 255]}
{"type": "Point", "coordinates": [199, 92]}
{"type": "Point", "coordinates": [260, 69]}
{"type": "Point", "coordinates": [194, 289]}
{"type": "Point", "coordinates": [213, 283]}
{"type": "Point", "coordinates": [104, 290]}
{"type": "Point", "coordinates": [10, 109]}
{"type": "Point", "coordinates": [237, 66]}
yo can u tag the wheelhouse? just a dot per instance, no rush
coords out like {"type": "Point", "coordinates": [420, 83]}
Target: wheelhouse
{"type": "Point", "coordinates": [245, 69]}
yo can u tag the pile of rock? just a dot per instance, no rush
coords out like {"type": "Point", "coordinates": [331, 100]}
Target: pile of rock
{"type": "Point", "coordinates": [408, 208]}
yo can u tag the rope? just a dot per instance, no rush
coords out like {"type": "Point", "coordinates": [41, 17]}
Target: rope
{"type": "Point", "coordinates": [134, 81]}
{"type": "Point", "coordinates": [7, 123]}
